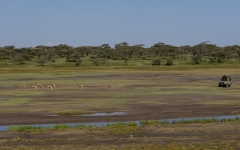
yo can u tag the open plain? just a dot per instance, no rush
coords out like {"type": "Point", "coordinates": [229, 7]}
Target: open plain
{"type": "Point", "coordinates": [141, 95]}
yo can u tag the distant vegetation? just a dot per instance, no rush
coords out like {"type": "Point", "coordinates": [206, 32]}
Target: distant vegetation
{"type": "Point", "coordinates": [121, 55]}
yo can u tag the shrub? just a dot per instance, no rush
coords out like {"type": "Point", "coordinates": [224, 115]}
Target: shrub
{"type": "Point", "coordinates": [156, 62]}
{"type": "Point", "coordinates": [169, 63]}
{"type": "Point", "coordinates": [96, 62]}
{"type": "Point", "coordinates": [196, 59]}
{"type": "Point", "coordinates": [78, 62]}
{"type": "Point", "coordinates": [27, 57]}
{"type": "Point", "coordinates": [42, 60]}
{"type": "Point", "coordinates": [92, 57]}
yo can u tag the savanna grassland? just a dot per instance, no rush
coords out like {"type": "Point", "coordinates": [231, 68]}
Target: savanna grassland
{"type": "Point", "coordinates": [149, 93]}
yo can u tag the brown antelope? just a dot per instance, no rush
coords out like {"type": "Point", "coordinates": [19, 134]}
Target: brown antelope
{"type": "Point", "coordinates": [53, 85]}
{"type": "Point", "coordinates": [38, 84]}
{"type": "Point", "coordinates": [34, 87]}
{"type": "Point", "coordinates": [50, 87]}
{"type": "Point", "coordinates": [110, 86]}
{"type": "Point", "coordinates": [41, 86]}
{"type": "Point", "coordinates": [22, 86]}
{"type": "Point", "coordinates": [80, 85]}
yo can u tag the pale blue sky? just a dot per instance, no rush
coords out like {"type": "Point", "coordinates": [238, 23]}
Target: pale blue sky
{"type": "Point", "coordinates": [28, 23]}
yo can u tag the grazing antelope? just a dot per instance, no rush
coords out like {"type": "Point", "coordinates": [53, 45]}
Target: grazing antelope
{"type": "Point", "coordinates": [53, 85]}
{"type": "Point", "coordinates": [34, 87]}
{"type": "Point", "coordinates": [22, 86]}
{"type": "Point", "coordinates": [80, 85]}
{"type": "Point", "coordinates": [110, 86]}
{"type": "Point", "coordinates": [50, 87]}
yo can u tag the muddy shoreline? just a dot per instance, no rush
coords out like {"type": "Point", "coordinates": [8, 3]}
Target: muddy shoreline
{"type": "Point", "coordinates": [28, 119]}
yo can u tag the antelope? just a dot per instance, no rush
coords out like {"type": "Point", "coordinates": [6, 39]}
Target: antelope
{"type": "Point", "coordinates": [34, 87]}
{"type": "Point", "coordinates": [110, 86]}
{"type": "Point", "coordinates": [22, 86]}
{"type": "Point", "coordinates": [38, 84]}
{"type": "Point", "coordinates": [50, 87]}
{"type": "Point", "coordinates": [41, 86]}
{"type": "Point", "coordinates": [53, 85]}
{"type": "Point", "coordinates": [80, 85]}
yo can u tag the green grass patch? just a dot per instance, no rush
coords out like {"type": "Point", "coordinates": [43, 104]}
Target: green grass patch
{"type": "Point", "coordinates": [71, 113]}
{"type": "Point", "coordinates": [220, 102]}
{"type": "Point", "coordinates": [187, 121]}
{"type": "Point", "coordinates": [15, 101]}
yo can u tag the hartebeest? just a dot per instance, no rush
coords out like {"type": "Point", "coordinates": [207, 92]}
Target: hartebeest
{"type": "Point", "coordinates": [53, 85]}
{"type": "Point", "coordinates": [34, 87]}
{"type": "Point", "coordinates": [50, 87]}
{"type": "Point", "coordinates": [110, 86]}
{"type": "Point", "coordinates": [80, 85]}
{"type": "Point", "coordinates": [22, 86]}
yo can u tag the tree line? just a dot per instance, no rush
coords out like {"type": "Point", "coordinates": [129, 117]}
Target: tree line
{"type": "Point", "coordinates": [202, 52]}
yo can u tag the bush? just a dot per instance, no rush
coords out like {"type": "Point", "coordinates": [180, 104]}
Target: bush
{"type": "Point", "coordinates": [68, 59]}
{"type": "Point", "coordinates": [196, 59]}
{"type": "Point", "coordinates": [125, 60]}
{"type": "Point", "coordinates": [92, 57]}
{"type": "Point", "coordinates": [156, 62]}
{"type": "Point", "coordinates": [169, 63]}
{"type": "Point", "coordinates": [116, 58]}
{"type": "Point", "coordinates": [145, 58]}
{"type": "Point", "coordinates": [78, 62]}
{"type": "Point", "coordinates": [96, 62]}
{"type": "Point", "coordinates": [19, 60]}
{"type": "Point", "coordinates": [212, 59]}
{"type": "Point", "coordinates": [42, 60]}
{"type": "Point", "coordinates": [27, 57]}
{"type": "Point", "coordinates": [104, 60]}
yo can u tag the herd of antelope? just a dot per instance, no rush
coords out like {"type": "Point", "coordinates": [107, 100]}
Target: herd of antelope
{"type": "Point", "coordinates": [52, 86]}
{"type": "Point", "coordinates": [36, 86]}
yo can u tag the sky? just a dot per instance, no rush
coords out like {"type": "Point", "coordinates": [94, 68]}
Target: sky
{"type": "Point", "coordinates": [29, 23]}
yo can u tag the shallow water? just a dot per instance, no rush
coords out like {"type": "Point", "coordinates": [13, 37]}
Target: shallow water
{"type": "Point", "coordinates": [105, 114]}
{"type": "Point", "coordinates": [100, 124]}
{"type": "Point", "coordinates": [96, 114]}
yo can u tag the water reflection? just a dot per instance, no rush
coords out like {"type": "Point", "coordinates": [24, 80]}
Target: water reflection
{"type": "Point", "coordinates": [105, 114]}
{"type": "Point", "coordinates": [100, 124]}
{"type": "Point", "coordinates": [95, 114]}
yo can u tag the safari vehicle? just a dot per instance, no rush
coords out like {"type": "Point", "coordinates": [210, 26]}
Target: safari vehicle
{"type": "Point", "coordinates": [225, 81]}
